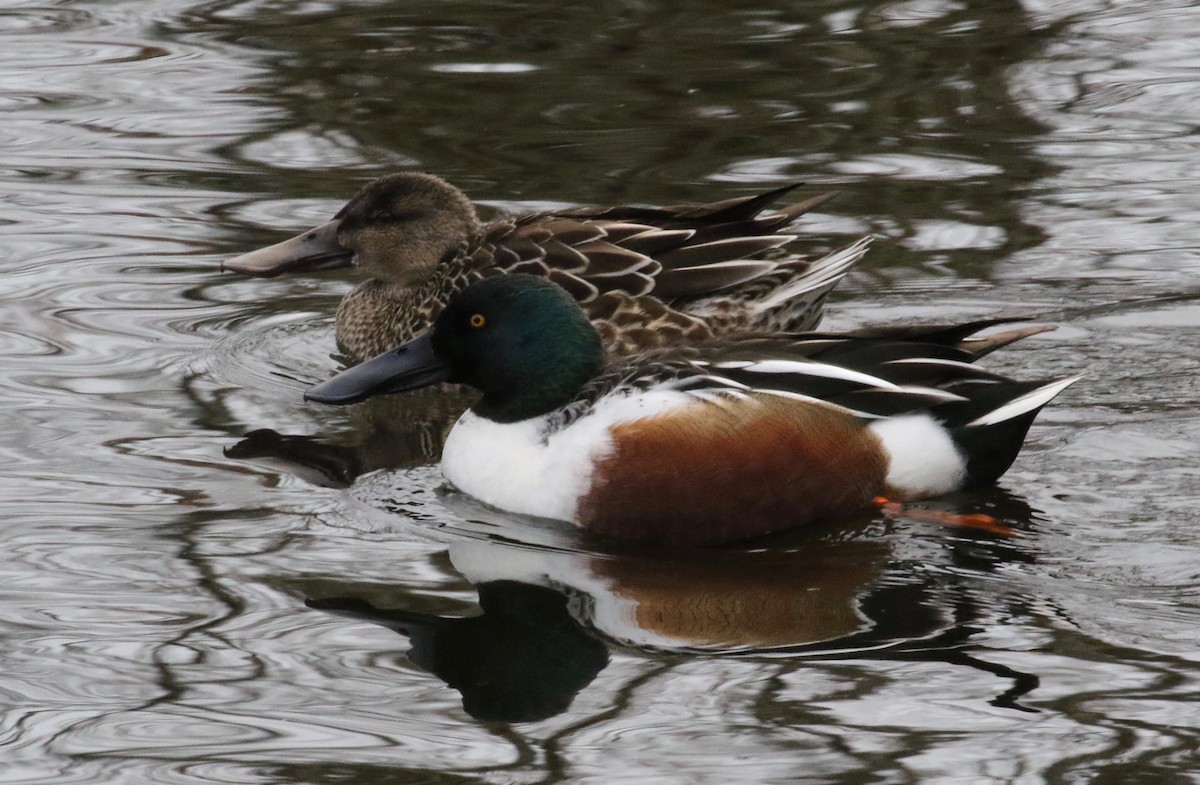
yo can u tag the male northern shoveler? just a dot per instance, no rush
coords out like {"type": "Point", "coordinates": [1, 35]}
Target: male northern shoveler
{"type": "Point", "coordinates": [646, 277]}
{"type": "Point", "coordinates": [709, 443]}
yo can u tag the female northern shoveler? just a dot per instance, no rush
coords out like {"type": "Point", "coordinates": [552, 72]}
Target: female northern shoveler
{"type": "Point", "coordinates": [704, 444]}
{"type": "Point", "coordinates": [711, 269]}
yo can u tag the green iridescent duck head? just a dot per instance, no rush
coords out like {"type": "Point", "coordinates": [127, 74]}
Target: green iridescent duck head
{"type": "Point", "coordinates": [519, 339]}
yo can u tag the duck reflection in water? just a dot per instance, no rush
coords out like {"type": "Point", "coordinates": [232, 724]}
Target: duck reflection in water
{"type": "Point", "coordinates": [388, 433]}
{"type": "Point", "coordinates": [523, 658]}
{"type": "Point", "coordinates": [548, 615]}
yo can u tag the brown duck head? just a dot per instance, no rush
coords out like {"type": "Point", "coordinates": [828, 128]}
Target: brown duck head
{"type": "Point", "coordinates": [396, 229]}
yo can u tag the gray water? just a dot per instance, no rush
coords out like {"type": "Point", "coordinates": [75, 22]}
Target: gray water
{"type": "Point", "coordinates": [1030, 158]}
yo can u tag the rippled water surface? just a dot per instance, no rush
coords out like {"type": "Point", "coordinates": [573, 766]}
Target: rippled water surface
{"type": "Point", "coordinates": [180, 604]}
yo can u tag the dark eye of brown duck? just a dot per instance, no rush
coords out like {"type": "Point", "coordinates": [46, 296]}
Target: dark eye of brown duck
{"type": "Point", "coordinates": [390, 216]}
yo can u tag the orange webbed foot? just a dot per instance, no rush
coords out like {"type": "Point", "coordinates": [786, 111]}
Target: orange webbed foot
{"type": "Point", "coordinates": [977, 521]}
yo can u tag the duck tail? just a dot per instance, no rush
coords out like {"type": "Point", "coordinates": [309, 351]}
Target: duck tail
{"type": "Point", "coordinates": [805, 293]}
{"type": "Point", "coordinates": [990, 427]}
{"type": "Point", "coordinates": [794, 211]}
{"type": "Point", "coordinates": [980, 347]}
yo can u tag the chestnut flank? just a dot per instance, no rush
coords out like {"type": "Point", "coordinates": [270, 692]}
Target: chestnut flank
{"type": "Point", "coordinates": [716, 473]}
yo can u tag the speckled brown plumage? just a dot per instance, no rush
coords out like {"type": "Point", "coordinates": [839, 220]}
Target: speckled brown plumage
{"type": "Point", "coordinates": [646, 277]}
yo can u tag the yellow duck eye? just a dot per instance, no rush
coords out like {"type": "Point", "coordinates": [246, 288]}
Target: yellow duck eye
{"type": "Point", "coordinates": [477, 320]}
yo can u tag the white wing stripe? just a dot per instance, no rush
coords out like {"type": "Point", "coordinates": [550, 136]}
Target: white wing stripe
{"type": "Point", "coordinates": [932, 361]}
{"type": "Point", "coordinates": [1026, 403]}
{"type": "Point", "coordinates": [818, 369]}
